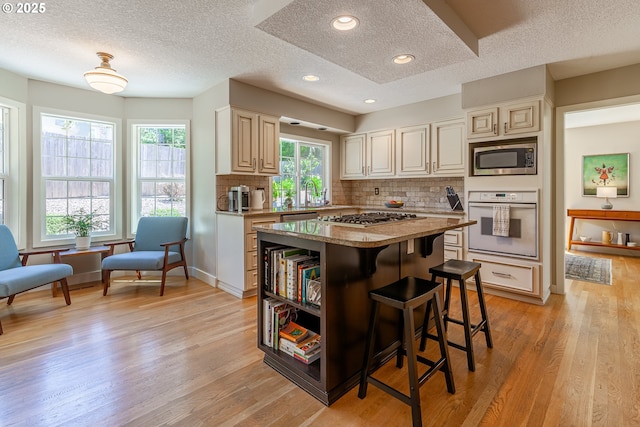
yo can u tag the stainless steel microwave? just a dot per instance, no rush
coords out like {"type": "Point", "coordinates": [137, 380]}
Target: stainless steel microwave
{"type": "Point", "coordinates": [512, 157]}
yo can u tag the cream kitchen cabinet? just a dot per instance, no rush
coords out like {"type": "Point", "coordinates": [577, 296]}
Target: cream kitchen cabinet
{"type": "Point", "coordinates": [237, 257]}
{"type": "Point", "coordinates": [447, 147]}
{"type": "Point", "coordinates": [370, 155]}
{"type": "Point", "coordinates": [504, 120]}
{"type": "Point", "coordinates": [247, 143]}
{"type": "Point", "coordinates": [430, 150]}
{"type": "Point", "coordinates": [453, 243]}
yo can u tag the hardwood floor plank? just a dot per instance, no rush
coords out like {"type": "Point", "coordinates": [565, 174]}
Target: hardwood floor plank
{"type": "Point", "coordinates": [190, 359]}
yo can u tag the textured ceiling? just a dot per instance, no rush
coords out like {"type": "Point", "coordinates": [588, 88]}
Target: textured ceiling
{"type": "Point", "coordinates": [169, 48]}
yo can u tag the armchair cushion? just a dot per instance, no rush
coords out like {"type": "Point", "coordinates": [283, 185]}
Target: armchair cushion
{"type": "Point", "coordinates": [9, 257]}
{"type": "Point", "coordinates": [139, 260]}
{"type": "Point", "coordinates": [20, 279]}
{"type": "Point", "coordinates": [152, 232]}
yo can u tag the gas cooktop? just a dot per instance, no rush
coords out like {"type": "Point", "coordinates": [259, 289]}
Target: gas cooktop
{"type": "Point", "coordinates": [367, 219]}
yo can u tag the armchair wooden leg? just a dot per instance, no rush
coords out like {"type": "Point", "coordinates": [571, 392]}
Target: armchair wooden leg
{"type": "Point", "coordinates": [164, 278]}
{"type": "Point", "coordinates": [65, 290]}
{"type": "Point", "coordinates": [0, 328]}
{"type": "Point", "coordinates": [11, 298]}
{"type": "Point", "coordinates": [106, 276]}
{"type": "Point", "coordinates": [186, 273]}
{"type": "Point", "coordinates": [138, 274]}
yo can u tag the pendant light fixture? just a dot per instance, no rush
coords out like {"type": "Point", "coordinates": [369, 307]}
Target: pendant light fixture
{"type": "Point", "coordinates": [104, 78]}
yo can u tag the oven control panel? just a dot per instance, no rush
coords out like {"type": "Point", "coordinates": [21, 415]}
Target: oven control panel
{"type": "Point", "coordinates": [500, 197]}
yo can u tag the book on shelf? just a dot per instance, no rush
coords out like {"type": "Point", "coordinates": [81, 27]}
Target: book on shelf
{"type": "Point", "coordinates": [292, 274]}
{"type": "Point", "coordinates": [267, 321]}
{"type": "Point", "coordinates": [293, 332]}
{"type": "Point", "coordinates": [314, 292]}
{"type": "Point", "coordinates": [282, 315]}
{"type": "Point", "coordinates": [267, 258]}
{"type": "Point", "coordinates": [281, 268]}
{"type": "Point", "coordinates": [308, 358]}
{"type": "Point", "coordinates": [305, 348]}
{"type": "Point", "coordinates": [310, 272]}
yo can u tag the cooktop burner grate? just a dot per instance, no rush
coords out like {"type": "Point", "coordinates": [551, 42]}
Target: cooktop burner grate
{"type": "Point", "coordinates": [367, 219]}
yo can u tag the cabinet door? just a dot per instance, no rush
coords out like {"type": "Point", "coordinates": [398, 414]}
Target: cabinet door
{"type": "Point", "coordinates": [352, 156]}
{"type": "Point", "coordinates": [482, 123]}
{"type": "Point", "coordinates": [412, 151]}
{"type": "Point", "coordinates": [269, 145]}
{"type": "Point", "coordinates": [380, 153]}
{"type": "Point", "coordinates": [447, 147]}
{"type": "Point", "coordinates": [244, 141]}
{"type": "Point", "coordinates": [521, 118]}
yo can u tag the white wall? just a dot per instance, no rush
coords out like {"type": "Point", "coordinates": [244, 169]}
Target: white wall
{"type": "Point", "coordinates": [602, 139]}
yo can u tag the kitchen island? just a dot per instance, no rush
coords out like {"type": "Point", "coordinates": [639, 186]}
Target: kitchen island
{"type": "Point", "coordinates": [352, 261]}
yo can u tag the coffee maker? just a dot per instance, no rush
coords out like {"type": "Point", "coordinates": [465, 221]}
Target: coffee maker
{"type": "Point", "coordinates": [239, 198]}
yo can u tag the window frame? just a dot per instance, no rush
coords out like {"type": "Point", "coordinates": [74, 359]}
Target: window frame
{"type": "Point", "coordinates": [326, 167]}
{"type": "Point", "coordinates": [116, 201]}
{"type": "Point", "coordinates": [133, 164]}
{"type": "Point", "coordinates": [15, 170]}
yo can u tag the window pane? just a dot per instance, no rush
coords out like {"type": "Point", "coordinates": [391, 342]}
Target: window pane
{"type": "Point", "coordinates": [302, 167]}
{"type": "Point", "coordinates": [162, 170]}
{"type": "Point", "coordinates": [74, 153]}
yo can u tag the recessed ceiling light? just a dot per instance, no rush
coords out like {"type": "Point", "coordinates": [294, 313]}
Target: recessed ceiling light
{"type": "Point", "coordinates": [369, 101]}
{"type": "Point", "coordinates": [310, 78]}
{"type": "Point", "coordinates": [345, 23]}
{"type": "Point", "coordinates": [403, 59]}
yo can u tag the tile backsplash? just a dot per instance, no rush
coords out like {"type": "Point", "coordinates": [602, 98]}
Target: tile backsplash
{"type": "Point", "coordinates": [414, 192]}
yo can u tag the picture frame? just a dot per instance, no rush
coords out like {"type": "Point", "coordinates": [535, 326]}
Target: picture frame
{"type": "Point", "coordinates": [605, 170]}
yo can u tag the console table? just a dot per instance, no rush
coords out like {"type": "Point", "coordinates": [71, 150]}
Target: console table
{"type": "Point", "coordinates": [610, 215]}
{"type": "Point", "coordinates": [102, 250]}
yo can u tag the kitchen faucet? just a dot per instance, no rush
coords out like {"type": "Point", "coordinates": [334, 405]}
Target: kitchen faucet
{"type": "Point", "coordinates": [306, 192]}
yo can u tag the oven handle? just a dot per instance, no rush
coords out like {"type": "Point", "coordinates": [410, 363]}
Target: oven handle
{"type": "Point", "coordinates": [511, 205]}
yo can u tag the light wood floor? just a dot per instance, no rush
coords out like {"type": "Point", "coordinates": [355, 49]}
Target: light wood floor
{"type": "Point", "coordinates": [190, 359]}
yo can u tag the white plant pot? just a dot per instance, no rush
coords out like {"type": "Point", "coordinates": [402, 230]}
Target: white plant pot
{"type": "Point", "coordinates": [83, 242]}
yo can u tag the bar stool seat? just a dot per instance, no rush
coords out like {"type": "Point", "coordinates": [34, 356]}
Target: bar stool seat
{"type": "Point", "coordinates": [406, 295]}
{"type": "Point", "coordinates": [460, 270]}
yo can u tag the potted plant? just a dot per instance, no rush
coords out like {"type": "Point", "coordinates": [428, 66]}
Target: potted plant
{"type": "Point", "coordinates": [288, 201]}
{"type": "Point", "coordinates": [81, 224]}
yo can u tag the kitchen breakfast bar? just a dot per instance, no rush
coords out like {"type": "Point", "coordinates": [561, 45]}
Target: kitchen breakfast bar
{"type": "Point", "coordinates": [353, 260]}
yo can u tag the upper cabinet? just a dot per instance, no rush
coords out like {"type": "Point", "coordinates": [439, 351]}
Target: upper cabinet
{"type": "Point", "coordinates": [368, 155]}
{"type": "Point", "coordinates": [504, 120]}
{"type": "Point", "coordinates": [447, 147]}
{"type": "Point", "coordinates": [415, 151]}
{"type": "Point", "coordinates": [247, 143]}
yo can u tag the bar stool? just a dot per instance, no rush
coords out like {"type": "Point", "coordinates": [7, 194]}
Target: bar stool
{"type": "Point", "coordinates": [406, 295]}
{"type": "Point", "coordinates": [459, 270]}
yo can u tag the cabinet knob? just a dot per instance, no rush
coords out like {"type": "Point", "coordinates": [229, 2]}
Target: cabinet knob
{"type": "Point", "coordinates": [495, 128]}
{"type": "Point", "coordinates": [428, 171]}
{"type": "Point", "coordinates": [505, 127]}
{"type": "Point", "coordinates": [434, 167]}
{"type": "Point", "coordinates": [363, 173]}
{"type": "Point", "coordinates": [254, 163]}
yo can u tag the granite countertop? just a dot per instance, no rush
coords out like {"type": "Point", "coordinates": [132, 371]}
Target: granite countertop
{"type": "Point", "coordinates": [365, 237]}
{"type": "Point", "coordinates": [328, 209]}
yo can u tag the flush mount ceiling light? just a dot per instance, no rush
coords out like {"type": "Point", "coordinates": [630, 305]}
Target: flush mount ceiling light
{"type": "Point", "coordinates": [104, 78]}
{"type": "Point", "coordinates": [310, 78]}
{"type": "Point", "coordinates": [369, 101]}
{"type": "Point", "coordinates": [345, 23]}
{"type": "Point", "coordinates": [403, 59]}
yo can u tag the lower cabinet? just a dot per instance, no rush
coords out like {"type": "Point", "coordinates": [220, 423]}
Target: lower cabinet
{"type": "Point", "coordinates": [511, 278]}
{"type": "Point", "coordinates": [237, 258]}
{"type": "Point", "coordinates": [453, 242]}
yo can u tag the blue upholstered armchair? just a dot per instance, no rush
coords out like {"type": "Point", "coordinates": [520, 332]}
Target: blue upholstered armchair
{"type": "Point", "coordinates": [159, 246]}
{"type": "Point", "coordinates": [16, 276]}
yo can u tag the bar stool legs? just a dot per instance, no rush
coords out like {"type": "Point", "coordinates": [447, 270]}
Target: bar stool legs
{"type": "Point", "coordinates": [406, 295]}
{"type": "Point", "coordinates": [460, 271]}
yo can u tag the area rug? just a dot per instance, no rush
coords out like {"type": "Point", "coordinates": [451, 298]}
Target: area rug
{"type": "Point", "coordinates": [587, 269]}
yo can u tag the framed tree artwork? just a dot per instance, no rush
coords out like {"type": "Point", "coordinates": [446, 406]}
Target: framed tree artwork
{"type": "Point", "coordinates": [605, 170]}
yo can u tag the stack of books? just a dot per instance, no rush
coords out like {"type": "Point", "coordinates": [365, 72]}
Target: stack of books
{"type": "Point", "coordinates": [304, 345]}
{"type": "Point", "coordinates": [276, 315]}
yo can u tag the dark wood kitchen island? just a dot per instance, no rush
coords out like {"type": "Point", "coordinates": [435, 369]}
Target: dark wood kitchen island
{"type": "Point", "coordinates": [353, 261]}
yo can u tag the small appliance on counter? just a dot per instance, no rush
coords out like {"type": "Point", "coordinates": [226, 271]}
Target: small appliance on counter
{"type": "Point", "coordinates": [257, 199]}
{"type": "Point", "coordinates": [239, 198]}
